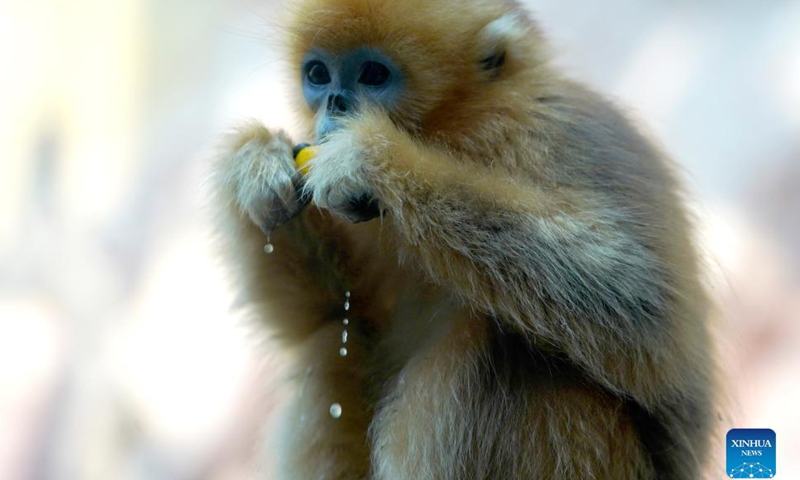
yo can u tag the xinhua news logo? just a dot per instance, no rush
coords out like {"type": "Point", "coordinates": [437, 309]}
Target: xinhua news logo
{"type": "Point", "coordinates": [751, 453]}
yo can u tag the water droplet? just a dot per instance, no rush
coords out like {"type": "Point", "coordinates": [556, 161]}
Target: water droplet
{"type": "Point", "coordinates": [268, 248]}
{"type": "Point", "coordinates": [343, 352]}
{"type": "Point", "coordinates": [347, 294]}
{"type": "Point", "coordinates": [336, 410]}
{"type": "Point", "coordinates": [345, 322]}
{"type": "Point", "coordinates": [347, 305]}
{"type": "Point", "coordinates": [344, 336]}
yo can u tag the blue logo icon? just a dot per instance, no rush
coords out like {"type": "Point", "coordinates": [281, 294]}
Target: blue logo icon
{"type": "Point", "coordinates": [751, 453]}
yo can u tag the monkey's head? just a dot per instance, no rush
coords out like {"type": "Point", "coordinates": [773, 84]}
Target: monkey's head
{"type": "Point", "coordinates": [429, 64]}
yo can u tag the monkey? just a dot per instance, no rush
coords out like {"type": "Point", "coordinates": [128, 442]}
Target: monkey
{"type": "Point", "coordinates": [524, 295]}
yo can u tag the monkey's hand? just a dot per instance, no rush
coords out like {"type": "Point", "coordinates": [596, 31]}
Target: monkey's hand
{"type": "Point", "coordinates": [339, 179]}
{"type": "Point", "coordinates": [261, 178]}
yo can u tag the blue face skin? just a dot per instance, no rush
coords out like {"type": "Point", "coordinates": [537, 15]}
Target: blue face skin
{"type": "Point", "coordinates": [335, 85]}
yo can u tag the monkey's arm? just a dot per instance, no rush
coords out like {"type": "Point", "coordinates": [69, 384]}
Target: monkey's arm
{"type": "Point", "coordinates": [558, 261]}
{"type": "Point", "coordinates": [292, 289]}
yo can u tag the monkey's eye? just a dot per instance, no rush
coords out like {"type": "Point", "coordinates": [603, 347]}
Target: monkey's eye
{"type": "Point", "coordinates": [317, 73]}
{"type": "Point", "coordinates": [374, 74]}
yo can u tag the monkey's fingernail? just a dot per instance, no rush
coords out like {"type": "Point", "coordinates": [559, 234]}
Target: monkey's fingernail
{"type": "Point", "coordinates": [361, 209]}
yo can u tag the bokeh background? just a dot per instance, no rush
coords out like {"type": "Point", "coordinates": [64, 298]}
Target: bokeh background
{"type": "Point", "coordinates": [119, 355]}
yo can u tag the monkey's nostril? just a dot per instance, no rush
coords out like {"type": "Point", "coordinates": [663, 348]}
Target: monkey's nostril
{"type": "Point", "coordinates": [337, 104]}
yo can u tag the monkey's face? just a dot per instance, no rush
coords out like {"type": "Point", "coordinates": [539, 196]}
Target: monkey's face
{"type": "Point", "coordinates": [431, 65]}
{"type": "Point", "coordinates": [338, 84]}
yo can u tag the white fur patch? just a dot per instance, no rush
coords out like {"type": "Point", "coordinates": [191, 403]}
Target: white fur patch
{"type": "Point", "coordinates": [500, 34]}
{"type": "Point", "coordinates": [508, 27]}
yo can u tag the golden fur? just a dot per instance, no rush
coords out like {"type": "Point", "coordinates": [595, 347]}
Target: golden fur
{"type": "Point", "coordinates": [529, 304]}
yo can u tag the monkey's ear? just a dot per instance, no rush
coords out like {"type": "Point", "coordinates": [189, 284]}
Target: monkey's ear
{"type": "Point", "coordinates": [496, 42]}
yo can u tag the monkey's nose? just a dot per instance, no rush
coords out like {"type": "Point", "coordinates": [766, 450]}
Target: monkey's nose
{"type": "Point", "coordinates": [337, 104]}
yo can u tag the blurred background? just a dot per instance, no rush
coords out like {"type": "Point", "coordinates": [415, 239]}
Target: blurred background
{"type": "Point", "coordinates": [119, 355]}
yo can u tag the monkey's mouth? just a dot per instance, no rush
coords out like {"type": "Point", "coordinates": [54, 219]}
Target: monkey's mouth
{"type": "Point", "coordinates": [327, 126]}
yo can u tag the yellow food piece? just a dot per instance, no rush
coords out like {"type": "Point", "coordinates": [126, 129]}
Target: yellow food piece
{"type": "Point", "coordinates": [303, 157]}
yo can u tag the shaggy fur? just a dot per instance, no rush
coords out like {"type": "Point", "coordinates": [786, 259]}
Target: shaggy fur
{"type": "Point", "coordinates": [527, 307]}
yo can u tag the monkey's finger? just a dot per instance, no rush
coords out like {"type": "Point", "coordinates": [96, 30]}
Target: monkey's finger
{"type": "Point", "coordinates": [361, 209]}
